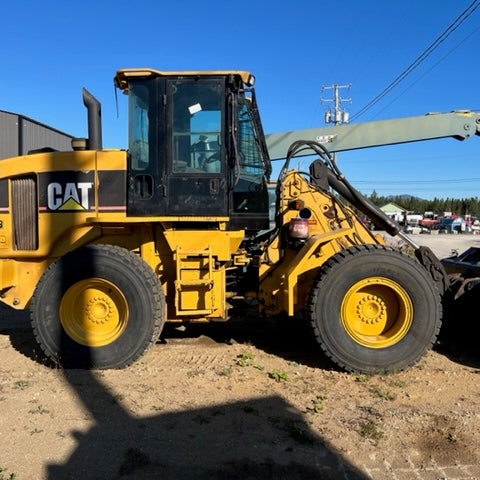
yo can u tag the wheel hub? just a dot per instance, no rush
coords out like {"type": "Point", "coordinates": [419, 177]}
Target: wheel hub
{"type": "Point", "coordinates": [94, 312]}
{"type": "Point", "coordinates": [371, 309]}
{"type": "Point", "coordinates": [376, 312]}
{"type": "Point", "coordinates": [99, 310]}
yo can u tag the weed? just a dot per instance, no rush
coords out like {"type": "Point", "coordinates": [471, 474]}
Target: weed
{"type": "Point", "coordinates": [379, 392]}
{"type": "Point", "coordinates": [317, 406]}
{"type": "Point", "coordinates": [279, 376]}
{"type": "Point", "coordinates": [369, 429]}
{"type": "Point", "coordinates": [40, 410]}
{"type": "Point", "coordinates": [244, 359]}
{"type": "Point", "coordinates": [259, 367]}
{"type": "Point", "coordinates": [36, 430]}
{"type": "Point", "coordinates": [369, 410]}
{"type": "Point", "coordinates": [451, 437]}
{"type": "Point", "coordinates": [362, 378]}
{"type": "Point", "coordinates": [225, 372]}
{"type": "Point", "coordinates": [394, 382]}
{"type": "Point", "coordinates": [6, 476]}
{"type": "Point", "coordinates": [21, 384]}
{"type": "Point", "coordinates": [368, 426]}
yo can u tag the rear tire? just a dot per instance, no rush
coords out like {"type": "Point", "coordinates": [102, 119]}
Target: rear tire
{"type": "Point", "coordinates": [374, 309]}
{"type": "Point", "coordinates": [100, 306]}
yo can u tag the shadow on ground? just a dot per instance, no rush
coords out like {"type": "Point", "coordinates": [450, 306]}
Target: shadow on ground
{"type": "Point", "coordinates": [262, 438]}
{"type": "Point", "coordinates": [259, 439]}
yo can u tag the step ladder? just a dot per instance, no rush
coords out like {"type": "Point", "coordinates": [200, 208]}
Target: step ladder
{"type": "Point", "coordinates": [194, 293]}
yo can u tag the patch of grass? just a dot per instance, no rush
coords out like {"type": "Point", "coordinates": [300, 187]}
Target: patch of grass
{"type": "Point", "coordinates": [362, 378]}
{"type": "Point", "coordinates": [379, 392]}
{"type": "Point", "coordinates": [396, 383]}
{"type": "Point", "coordinates": [279, 376]}
{"type": "Point", "coordinates": [368, 426]}
{"type": "Point", "coordinates": [369, 429]}
{"type": "Point", "coordinates": [21, 384]}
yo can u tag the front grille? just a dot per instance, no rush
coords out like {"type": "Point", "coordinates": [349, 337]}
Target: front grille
{"type": "Point", "coordinates": [25, 213]}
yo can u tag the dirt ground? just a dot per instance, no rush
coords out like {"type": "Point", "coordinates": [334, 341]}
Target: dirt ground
{"type": "Point", "coordinates": [246, 399]}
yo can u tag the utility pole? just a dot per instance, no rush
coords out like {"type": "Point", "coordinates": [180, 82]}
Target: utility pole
{"type": "Point", "coordinates": [338, 116]}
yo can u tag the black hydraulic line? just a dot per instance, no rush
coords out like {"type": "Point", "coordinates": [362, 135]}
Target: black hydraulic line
{"type": "Point", "coordinates": [359, 201]}
{"type": "Point", "coordinates": [336, 180]}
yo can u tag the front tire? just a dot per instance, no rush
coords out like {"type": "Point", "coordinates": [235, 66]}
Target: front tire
{"type": "Point", "coordinates": [100, 306]}
{"type": "Point", "coordinates": [374, 309]}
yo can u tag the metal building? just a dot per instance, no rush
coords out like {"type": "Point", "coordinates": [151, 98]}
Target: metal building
{"type": "Point", "coordinates": [20, 135]}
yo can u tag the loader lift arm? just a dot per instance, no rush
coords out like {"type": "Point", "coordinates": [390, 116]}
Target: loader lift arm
{"type": "Point", "coordinates": [459, 124]}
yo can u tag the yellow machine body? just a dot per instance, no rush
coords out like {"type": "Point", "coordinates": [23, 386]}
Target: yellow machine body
{"type": "Point", "coordinates": [104, 246]}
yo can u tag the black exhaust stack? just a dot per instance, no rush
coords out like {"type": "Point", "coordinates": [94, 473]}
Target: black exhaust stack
{"type": "Point", "coordinates": [94, 120]}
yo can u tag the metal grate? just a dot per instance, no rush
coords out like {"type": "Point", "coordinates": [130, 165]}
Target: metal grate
{"type": "Point", "coordinates": [24, 213]}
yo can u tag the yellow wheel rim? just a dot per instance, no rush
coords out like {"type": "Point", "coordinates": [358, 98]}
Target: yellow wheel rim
{"type": "Point", "coordinates": [376, 312]}
{"type": "Point", "coordinates": [94, 312]}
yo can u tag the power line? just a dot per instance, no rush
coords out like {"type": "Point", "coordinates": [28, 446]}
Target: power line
{"type": "Point", "coordinates": [427, 52]}
{"type": "Point", "coordinates": [431, 68]}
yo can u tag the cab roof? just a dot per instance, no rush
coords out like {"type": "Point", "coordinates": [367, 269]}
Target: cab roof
{"type": "Point", "coordinates": [122, 76]}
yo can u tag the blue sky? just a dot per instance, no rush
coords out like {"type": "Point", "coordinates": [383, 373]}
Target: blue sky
{"type": "Point", "coordinates": [51, 49]}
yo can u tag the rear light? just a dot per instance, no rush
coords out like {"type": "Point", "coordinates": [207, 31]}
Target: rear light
{"type": "Point", "coordinates": [298, 228]}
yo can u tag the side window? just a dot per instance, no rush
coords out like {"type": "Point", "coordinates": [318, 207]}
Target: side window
{"type": "Point", "coordinates": [197, 132]}
{"type": "Point", "coordinates": [138, 126]}
{"type": "Point", "coordinates": [249, 193]}
{"type": "Point", "coordinates": [251, 165]}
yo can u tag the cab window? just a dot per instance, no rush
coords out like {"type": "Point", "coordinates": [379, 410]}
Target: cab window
{"type": "Point", "coordinates": [197, 127]}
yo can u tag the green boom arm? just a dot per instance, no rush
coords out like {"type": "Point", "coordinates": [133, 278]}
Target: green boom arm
{"type": "Point", "coordinates": [458, 124]}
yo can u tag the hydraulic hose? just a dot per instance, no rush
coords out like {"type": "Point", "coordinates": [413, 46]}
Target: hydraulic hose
{"type": "Point", "coordinates": [347, 191]}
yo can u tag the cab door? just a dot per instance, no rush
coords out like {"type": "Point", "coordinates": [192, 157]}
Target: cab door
{"type": "Point", "coordinates": [196, 148]}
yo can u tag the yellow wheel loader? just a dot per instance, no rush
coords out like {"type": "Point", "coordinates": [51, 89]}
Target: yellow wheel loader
{"type": "Point", "coordinates": [104, 246]}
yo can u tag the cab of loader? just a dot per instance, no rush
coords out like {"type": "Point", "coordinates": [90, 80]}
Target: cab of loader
{"type": "Point", "coordinates": [196, 148]}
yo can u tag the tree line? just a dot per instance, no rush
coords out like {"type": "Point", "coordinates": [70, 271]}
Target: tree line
{"type": "Point", "coordinates": [458, 206]}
